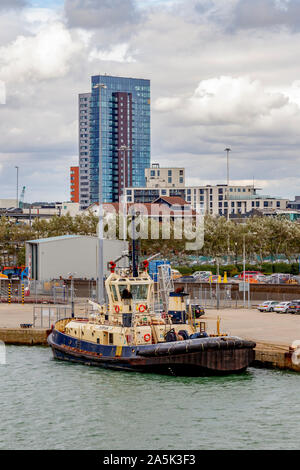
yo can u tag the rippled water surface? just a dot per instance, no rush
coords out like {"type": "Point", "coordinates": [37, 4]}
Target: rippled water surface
{"type": "Point", "coordinates": [47, 404]}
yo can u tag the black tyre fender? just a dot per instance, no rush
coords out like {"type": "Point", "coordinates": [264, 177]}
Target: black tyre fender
{"type": "Point", "coordinates": [184, 334]}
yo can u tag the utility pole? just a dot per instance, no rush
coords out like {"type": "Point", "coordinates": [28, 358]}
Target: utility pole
{"type": "Point", "coordinates": [71, 277]}
{"type": "Point", "coordinates": [124, 149]}
{"type": "Point", "coordinates": [17, 186]}
{"type": "Point", "coordinates": [227, 150]}
{"type": "Point", "coordinates": [244, 269]}
{"type": "Point", "coordinates": [135, 271]}
{"type": "Point", "coordinates": [217, 284]}
{"type": "Point", "coordinates": [100, 86]}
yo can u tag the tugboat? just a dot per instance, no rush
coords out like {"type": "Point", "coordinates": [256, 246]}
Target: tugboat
{"type": "Point", "coordinates": [128, 333]}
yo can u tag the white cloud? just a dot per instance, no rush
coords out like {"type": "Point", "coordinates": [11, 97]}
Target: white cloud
{"type": "Point", "coordinates": [12, 4]}
{"type": "Point", "coordinates": [213, 84]}
{"type": "Point", "coordinates": [223, 100]}
{"type": "Point", "coordinates": [36, 18]}
{"type": "Point", "coordinates": [2, 92]}
{"type": "Point", "coordinates": [45, 55]}
{"type": "Point", "coordinates": [118, 53]}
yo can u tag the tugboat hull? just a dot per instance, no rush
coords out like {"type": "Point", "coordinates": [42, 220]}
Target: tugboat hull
{"type": "Point", "coordinates": [207, 356]}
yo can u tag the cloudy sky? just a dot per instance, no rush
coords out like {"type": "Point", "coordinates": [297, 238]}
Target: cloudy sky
{"type": "Point", "coordinates": [223, 73]}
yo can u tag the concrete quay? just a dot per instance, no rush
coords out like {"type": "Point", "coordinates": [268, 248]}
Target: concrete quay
{"type": "Point", "coordinates": [273, 333]}
{"type": "Point", "coordinates": [13, 315]}
{"type": "Point", "coordinates": [24, 336]}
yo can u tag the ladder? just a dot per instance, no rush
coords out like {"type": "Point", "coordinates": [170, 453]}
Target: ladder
{"type": "Point", "coordinates": [165, 284]}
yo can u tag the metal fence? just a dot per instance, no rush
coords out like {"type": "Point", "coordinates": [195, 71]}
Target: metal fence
{"type": "Point", "coordinates": [232, 295]}
{"type": "Point", "coordinates": [54, 292]}
{"type": "Point", "coordinates": [3, 289]}
{"type": "Point", "coordinates": [12, 291]}
{"type": "Point", "coordinates": [214, 297]}
{"type": "Point", "coordinates": [46, 316]}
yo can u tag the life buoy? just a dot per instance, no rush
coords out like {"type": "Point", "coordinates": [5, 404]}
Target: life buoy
{"type": "Point", "coordinates": [142, 308]}
{"type": "Point", "coordinates": [117, 308]}
{"type": "Point", "coordinates": [147, 337]}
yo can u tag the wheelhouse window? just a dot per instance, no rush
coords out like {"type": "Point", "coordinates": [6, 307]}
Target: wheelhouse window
{"type": "Point", "coordinates": [139, 292]}
{"type": "Point", "coordinates": [122, 287]}
{"type": "Point", "coordinates": [114, 293]}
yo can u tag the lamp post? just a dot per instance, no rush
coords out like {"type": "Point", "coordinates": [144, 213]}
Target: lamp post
{"type": "Point", "coordinates": [124, 149]}
{"type": "Point", "coordinates": [244, 269]}
{"type": "Point", "coordinates": [17, 186]}
{"type": "Point", "coordinates": [217, 285]}
{"type": "Point", "coordinates": [227, 150]}
{"type": "Point", "coordinates": [72, 293]}
{"type": "Point", "coordinates": [100, 86]}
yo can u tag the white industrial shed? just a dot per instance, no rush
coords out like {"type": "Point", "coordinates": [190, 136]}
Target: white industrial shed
{"type": "Point", "coordinates": [50, 258]}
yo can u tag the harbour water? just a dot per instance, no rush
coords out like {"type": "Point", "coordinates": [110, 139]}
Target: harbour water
{"type": "Point", "coordinates": [46, 404]}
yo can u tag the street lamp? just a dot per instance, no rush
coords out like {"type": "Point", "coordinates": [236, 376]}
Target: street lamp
{"type": "Point", "coordinates": [100, 86]}
{"type": "Point", "coordinates": [235, 244]}
{"type": "Point", "coordinates": [72, 292]}
{"type": "Point", "coordinates": [124, 149]}
{"type": "Point", "coordinates": [17, 185]}
{"type": "Point", "coordinates": [227, 150]}
{"type": "Point", "coordinates": [244, 269]}
{"type": "Point", "coordinates": [217, 286]}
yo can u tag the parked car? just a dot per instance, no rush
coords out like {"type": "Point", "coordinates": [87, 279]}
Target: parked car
{"type": "Point", "coordinates": [249, 274]}
{"type": "Point", "coordinates": [267, 306]}
{"type": "Point", "coordinates": [186, 279]}
{"type": "Point", "coordinates": [197, 310]}
{"type": "Point", "coordinates": [202, 275]}
{"type": "Point", "coordinates": [282, 307]}
{"type": "Point", "coordinates": [261, 278]}
{"type": "Point", "coordinates": [279, 278]}
{"type": "Point", "coordinates": [294, 307]}
{"type": "Point", "coordinates": [175, 274]}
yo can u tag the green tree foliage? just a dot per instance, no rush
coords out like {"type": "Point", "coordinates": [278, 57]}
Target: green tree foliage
{"type": "Point", "coordinates": [264, 237]}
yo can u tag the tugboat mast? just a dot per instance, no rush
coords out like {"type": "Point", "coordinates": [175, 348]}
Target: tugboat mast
{"type": "Point", "coordinates": [135, 257]}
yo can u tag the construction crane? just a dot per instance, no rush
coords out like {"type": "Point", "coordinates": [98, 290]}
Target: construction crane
{"type": "Point", "coordinates": [21, 201]}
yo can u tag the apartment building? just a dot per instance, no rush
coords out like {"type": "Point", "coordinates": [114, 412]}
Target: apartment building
{"type": "Point", "coordinates": [117, 111]}
{"type": "Point", "coordinates": [164, 177]}
{"type": "Point", "coordinates": [216, 200]}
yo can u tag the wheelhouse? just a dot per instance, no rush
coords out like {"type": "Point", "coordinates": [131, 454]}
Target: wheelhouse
{"type": "Point", "coordinates": [129, 293]}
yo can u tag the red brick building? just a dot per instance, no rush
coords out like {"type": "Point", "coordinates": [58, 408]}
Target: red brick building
{"type": "Point", "coordinates": [74, 183]}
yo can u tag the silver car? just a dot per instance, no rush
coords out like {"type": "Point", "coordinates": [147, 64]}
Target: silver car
{"type": "Point", "coordinates": [282, 307]}
{"type": "Point", "coordinates": [267, 306]}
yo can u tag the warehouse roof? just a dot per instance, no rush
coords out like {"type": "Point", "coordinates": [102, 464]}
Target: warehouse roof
{"type": "Point", "coordinates": [54, 239]}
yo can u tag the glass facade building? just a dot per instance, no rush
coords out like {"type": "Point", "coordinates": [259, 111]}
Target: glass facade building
{"type": "Point", "coordinates": [125, 121]}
